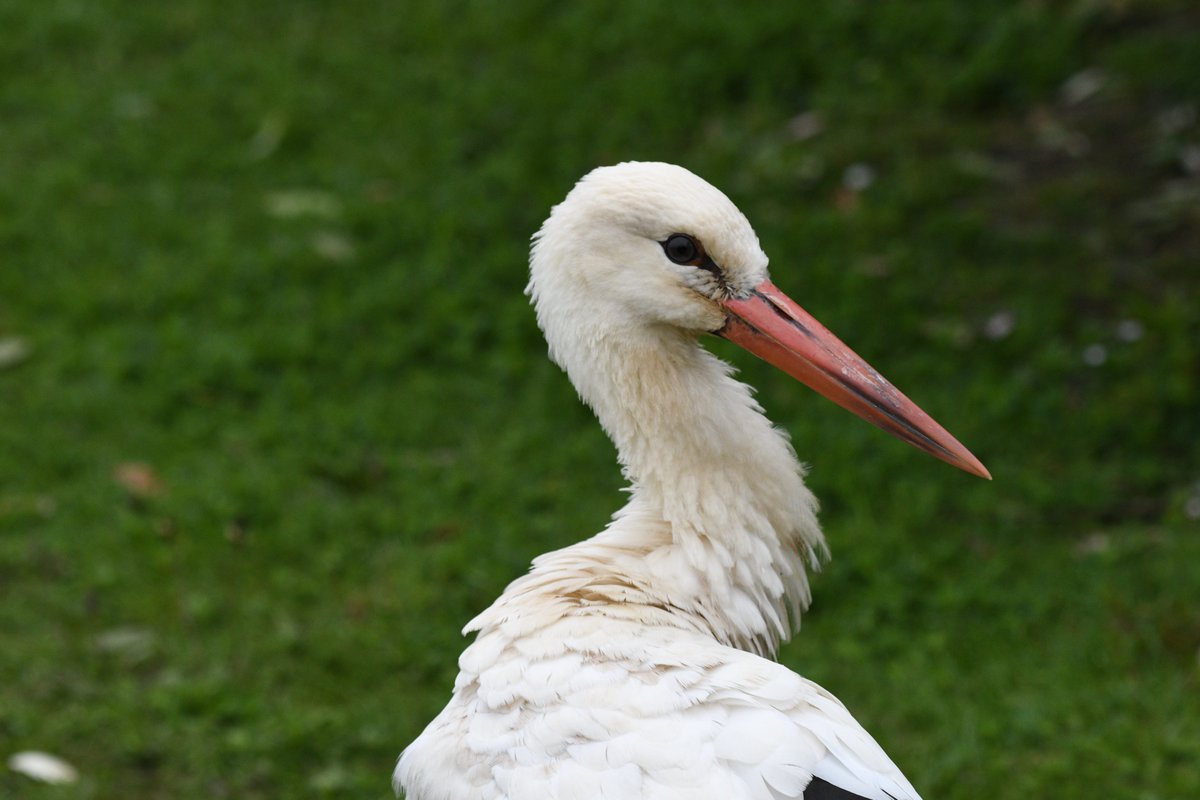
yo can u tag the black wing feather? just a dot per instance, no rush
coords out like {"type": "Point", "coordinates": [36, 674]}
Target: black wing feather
{"type": "Point", "coordinates": [819, 789]}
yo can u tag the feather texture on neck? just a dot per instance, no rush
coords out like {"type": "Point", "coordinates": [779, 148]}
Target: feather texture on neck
{"type": "Point", "coordinates": [720, 523]}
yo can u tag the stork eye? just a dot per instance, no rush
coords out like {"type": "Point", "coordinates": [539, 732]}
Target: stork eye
{"type": "Point", "coordinates": [682, 249]}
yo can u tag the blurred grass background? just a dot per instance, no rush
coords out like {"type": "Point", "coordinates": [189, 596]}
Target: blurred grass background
{"type": "Point", "coordinates": [276, 421]}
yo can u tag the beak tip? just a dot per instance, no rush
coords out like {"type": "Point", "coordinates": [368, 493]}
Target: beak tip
{"type": "Point", "coordinates": [974, 466]}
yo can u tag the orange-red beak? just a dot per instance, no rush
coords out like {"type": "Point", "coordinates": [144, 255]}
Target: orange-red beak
{"type": "Point", "coordinates": [773, 327]}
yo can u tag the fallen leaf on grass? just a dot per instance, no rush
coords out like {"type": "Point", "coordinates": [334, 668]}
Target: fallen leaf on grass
{"type": "Point", "coordinates": [235, 531]}
{"type": "Point", "coordinates": [294, 203]}
{"type": "Point", "coordinates": [333, 246]}
{"type": "Point", "coordinates": [1083, 85]}
{"type": "Point", "coordinates": [1191, 506]}
{"type": "Point", "coordinates": [139, 479]}
{"type": "Point", "coordinates": [999, 325]}
{"type": "Point", "coordinates": [858, 177]}
{"type": "Point", "coordinates": [1189, 159]}
{"type": "Point", "coordinates": [129, 646]}
{"type": "Point", "coordinates": [1095, 354]}
{"type": "Point", "coordinates": [1093, 544]}
{"type": "Point", "coordinates": [125, 640]}
{"type": "Point", "coordinates": [1130, 330]}
{"type": "Point", "coordinates": [42, 767]}
{"type": "Point", "coordinates": [806, 125]}
{"type": "Point", "coordinates": [13, 350]}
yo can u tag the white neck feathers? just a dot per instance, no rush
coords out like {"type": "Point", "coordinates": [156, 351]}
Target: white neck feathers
{"type": "Point", "coordinates": [720, 523]}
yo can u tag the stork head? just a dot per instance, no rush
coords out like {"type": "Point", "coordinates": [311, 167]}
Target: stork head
{"type": "Point", "coordinates": [650, 245]}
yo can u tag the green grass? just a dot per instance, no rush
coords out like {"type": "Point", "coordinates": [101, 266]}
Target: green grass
{"type": "Point", "coordinates": [275, 252]}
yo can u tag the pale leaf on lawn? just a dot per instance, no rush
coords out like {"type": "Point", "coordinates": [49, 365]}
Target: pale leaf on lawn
{"type": "Point", "coordinates": [42, 767]}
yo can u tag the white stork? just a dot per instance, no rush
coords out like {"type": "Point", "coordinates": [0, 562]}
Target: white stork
{"type": "Point", "coordinates": [637, 663]}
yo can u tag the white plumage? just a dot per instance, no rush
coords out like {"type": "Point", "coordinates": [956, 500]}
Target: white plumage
{"type": "Point", "coordinates": [635, 664]}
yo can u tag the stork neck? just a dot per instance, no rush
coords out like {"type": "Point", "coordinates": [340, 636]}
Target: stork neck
{"type": "Point", "coordinates": [679, 421]}
{"type": "Point", "coordinates": [720, 525]}
{"type": "Point", "coordinates": [701, 456]}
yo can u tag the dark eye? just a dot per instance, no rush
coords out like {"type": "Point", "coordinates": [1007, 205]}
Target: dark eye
{"type": "Point", "coordinates": [681, 248]}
